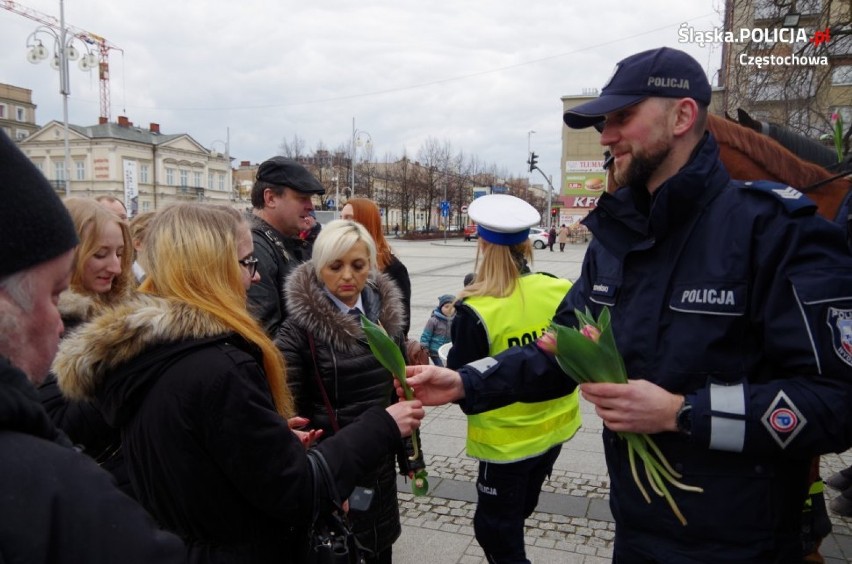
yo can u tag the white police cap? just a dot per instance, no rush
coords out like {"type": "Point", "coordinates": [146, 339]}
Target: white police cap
{"type": "Point", "coordinates": [503, 219]}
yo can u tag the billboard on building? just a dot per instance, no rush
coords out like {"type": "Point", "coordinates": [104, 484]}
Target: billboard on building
{"type": "Point", "coordinates": [131, 188]}
{"type": "Point", "coordinates": [584, 182]}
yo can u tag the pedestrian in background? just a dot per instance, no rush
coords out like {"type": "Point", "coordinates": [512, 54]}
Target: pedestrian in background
{"type": "Point", "coordinates": [138, 228]}
{"type": "Point", "coordinates": [332, 372]}
{"type": "Point", "coordinates": [114, 205]}
{"type": "Point", "coordinates": [436, 332]}
{"type": "Point", "coordinates": [551, 238]}
{"type": "Point", "coordinates": [56, 505]}
{"type": "Point", "coordinates": [562, 237]}
{"type": "Point", "coordinates": [281, 198]}
{"type": "Point", "coordinates": [366, 212]}
{"type": "Point", "coordinates": [730, 306]}
{"type": "Point", "coordinates": [507, 305]}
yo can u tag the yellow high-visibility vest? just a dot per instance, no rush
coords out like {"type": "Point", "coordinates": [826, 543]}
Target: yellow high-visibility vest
{"type": "Point", "coordinates": [521, 430]}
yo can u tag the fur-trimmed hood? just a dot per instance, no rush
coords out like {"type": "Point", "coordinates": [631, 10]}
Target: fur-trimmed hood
{"type": "Point", "coordinates": [122, 334]}
{"type": "Point", "coordinates": [309, 308]}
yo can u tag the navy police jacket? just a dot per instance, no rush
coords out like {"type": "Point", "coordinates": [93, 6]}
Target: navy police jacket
{"type": "Point", "coordinates": [739, 297]}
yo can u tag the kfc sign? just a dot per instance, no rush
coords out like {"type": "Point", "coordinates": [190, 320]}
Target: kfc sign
{"type": "Point", "coordinates": [582, 201]}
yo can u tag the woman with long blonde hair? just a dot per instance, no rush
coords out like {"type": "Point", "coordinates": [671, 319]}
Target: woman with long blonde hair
{"type": "Point", "coordinates": [101, 278]}
{"type": "Point", "coordinates": [505, 306]}
{"type": "Point", "coordinates": [199, 392]}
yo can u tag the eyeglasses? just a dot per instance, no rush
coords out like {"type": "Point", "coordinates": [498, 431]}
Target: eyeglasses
{"type": "Point", "coordinates": [250, 263]}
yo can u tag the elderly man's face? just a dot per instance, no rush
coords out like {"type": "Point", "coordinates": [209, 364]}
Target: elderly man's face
{"type": "Point", "coordinates": [30, 332]}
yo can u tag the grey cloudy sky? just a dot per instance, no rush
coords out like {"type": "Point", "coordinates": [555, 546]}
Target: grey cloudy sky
{"type": "Point", "coordinates": [479, 74]}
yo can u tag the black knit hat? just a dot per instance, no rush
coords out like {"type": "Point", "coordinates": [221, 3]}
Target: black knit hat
{"type": "Point", "coordinates": [34, 224]}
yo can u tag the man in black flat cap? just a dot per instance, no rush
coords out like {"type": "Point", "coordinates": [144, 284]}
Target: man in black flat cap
{"type": "Point", "coordinates": [281, 198]}
{"type": "Point", "coordinates": [56, 504]}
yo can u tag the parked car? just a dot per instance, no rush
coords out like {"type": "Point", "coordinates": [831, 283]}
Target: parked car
{"type": "Point", "coordinates": [538, 237]}
{"type": "Point", "coordinates": [470, 232]}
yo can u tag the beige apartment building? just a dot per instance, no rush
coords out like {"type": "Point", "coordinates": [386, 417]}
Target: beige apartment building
{"type": "Point", "coordinates": [143, 166]}
{"type": "Point", "coordinates": [17, 112]}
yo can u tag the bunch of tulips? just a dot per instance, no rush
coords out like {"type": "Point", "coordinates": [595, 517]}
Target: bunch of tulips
{"type": "Point", "coordinates": [589, 354]}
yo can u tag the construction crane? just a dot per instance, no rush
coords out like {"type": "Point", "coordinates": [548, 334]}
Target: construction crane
{"type": "Point", "coordinates": [89, 38]}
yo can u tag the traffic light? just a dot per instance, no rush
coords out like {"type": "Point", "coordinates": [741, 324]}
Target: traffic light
{"type": "Point", "coordinates": [532, 161]}
{"type": "Point", "coordinates": [554, 212]}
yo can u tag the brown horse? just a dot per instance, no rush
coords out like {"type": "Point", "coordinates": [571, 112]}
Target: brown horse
{"type": "Point", "coordinates": [749, 155]}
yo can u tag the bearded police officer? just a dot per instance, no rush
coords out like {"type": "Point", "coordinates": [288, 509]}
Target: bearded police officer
{"type": "Point", "coordinates": [731, 304]}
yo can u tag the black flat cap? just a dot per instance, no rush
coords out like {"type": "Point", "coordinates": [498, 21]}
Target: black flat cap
{"type": "Point", "coordinates": [287, 172]}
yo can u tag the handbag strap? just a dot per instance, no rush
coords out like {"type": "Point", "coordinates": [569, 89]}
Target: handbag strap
{"type": "Point", "coordinates": [321, 386]}
{"type": "Point", "coordinates": [325, 475]}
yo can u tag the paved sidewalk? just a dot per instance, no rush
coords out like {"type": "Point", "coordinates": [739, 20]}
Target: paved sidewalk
{"type": "Point", "coordinates": [572, 523]}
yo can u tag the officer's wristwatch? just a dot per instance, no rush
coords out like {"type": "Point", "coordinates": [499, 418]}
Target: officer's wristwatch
{"type": "Point", "coordinates": [683, 419]}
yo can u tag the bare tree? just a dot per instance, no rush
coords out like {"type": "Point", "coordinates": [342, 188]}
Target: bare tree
{"type": "Point", "coordinates": [294, 149]}
{"type": "Point", "coordinates": [789, 77]}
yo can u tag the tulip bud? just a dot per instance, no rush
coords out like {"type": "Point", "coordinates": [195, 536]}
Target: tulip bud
{"type": "Point", "coordinates": [591, 332]}
{"type": "Point", "coordinates": [547, 342]}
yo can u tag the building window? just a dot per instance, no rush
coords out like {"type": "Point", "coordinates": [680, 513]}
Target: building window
{"type": "Point", "coordinates": [221, 181]}
{"type": "Point", "coordinates": [842, 74]}
{"type": "Point", "coordinates": [81, 169]}
{"type": "Point", "coordinates": [170, 176]}
{"type": "Point", "coordinates": [184, 178]}
{"type": "Point", "coordinates": [196, 178]}
{"type": "Point", "coordinates": [21, 134]}
{"type": "Point", "coordinates": [146, 205]}
{"type": "Point", "coordinates": [2, 111]}
{"type": "Point", "coordinates": [59, 170]}
{"type": "Point", "coordinates": [20, 114]}
{"type": "Point", "coordinates": [143, 174]}
{"type": "Point", "coordinates": [210, 180]}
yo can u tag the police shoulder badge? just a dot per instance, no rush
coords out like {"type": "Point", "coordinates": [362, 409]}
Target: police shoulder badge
{"type": "Point", "coordinates": [840, 323]}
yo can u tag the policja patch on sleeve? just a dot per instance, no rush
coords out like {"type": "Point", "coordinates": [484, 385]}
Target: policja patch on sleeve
{"type": "Point", "coordinates": [840, 323]}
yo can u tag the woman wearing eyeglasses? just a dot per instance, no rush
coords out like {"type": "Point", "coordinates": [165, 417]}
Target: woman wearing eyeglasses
{"type": "Point", "coordinates": [200, 394]}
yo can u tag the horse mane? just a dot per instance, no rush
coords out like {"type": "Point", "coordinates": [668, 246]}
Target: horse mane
{"type": "Point", "coordinates": [804, 148]}
{"type": "Point", "coordinates": [778, 161]}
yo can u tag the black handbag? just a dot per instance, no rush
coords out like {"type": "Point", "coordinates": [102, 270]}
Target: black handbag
{"type": "Point", "coordinates": [330, 536]}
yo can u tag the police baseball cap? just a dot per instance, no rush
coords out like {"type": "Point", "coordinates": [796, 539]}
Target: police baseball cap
{"type": "Point", "coordinates": [503, 219]}
{"type": "Point", "coordinates": [287, 172]}
{"type": "Point", "coordinates": [663, 72]}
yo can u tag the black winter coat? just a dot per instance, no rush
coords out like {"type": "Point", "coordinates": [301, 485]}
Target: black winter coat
{"type": "Point", "coordinates": [399, 274]}
{"type": "Point", "coordinates": [207, 453]}
{"type": "Point", "coordinates": [353, 378]}
{"type": "Point", "coordinates": [277, 256]}
{"type": "Point", "coordinates": [56, 505]}
{"type": "Point", "coordinates": [83, 421]}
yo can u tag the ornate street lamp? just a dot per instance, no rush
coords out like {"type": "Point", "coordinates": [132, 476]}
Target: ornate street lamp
{"type": "Point", "coordinates": [63, 51]}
